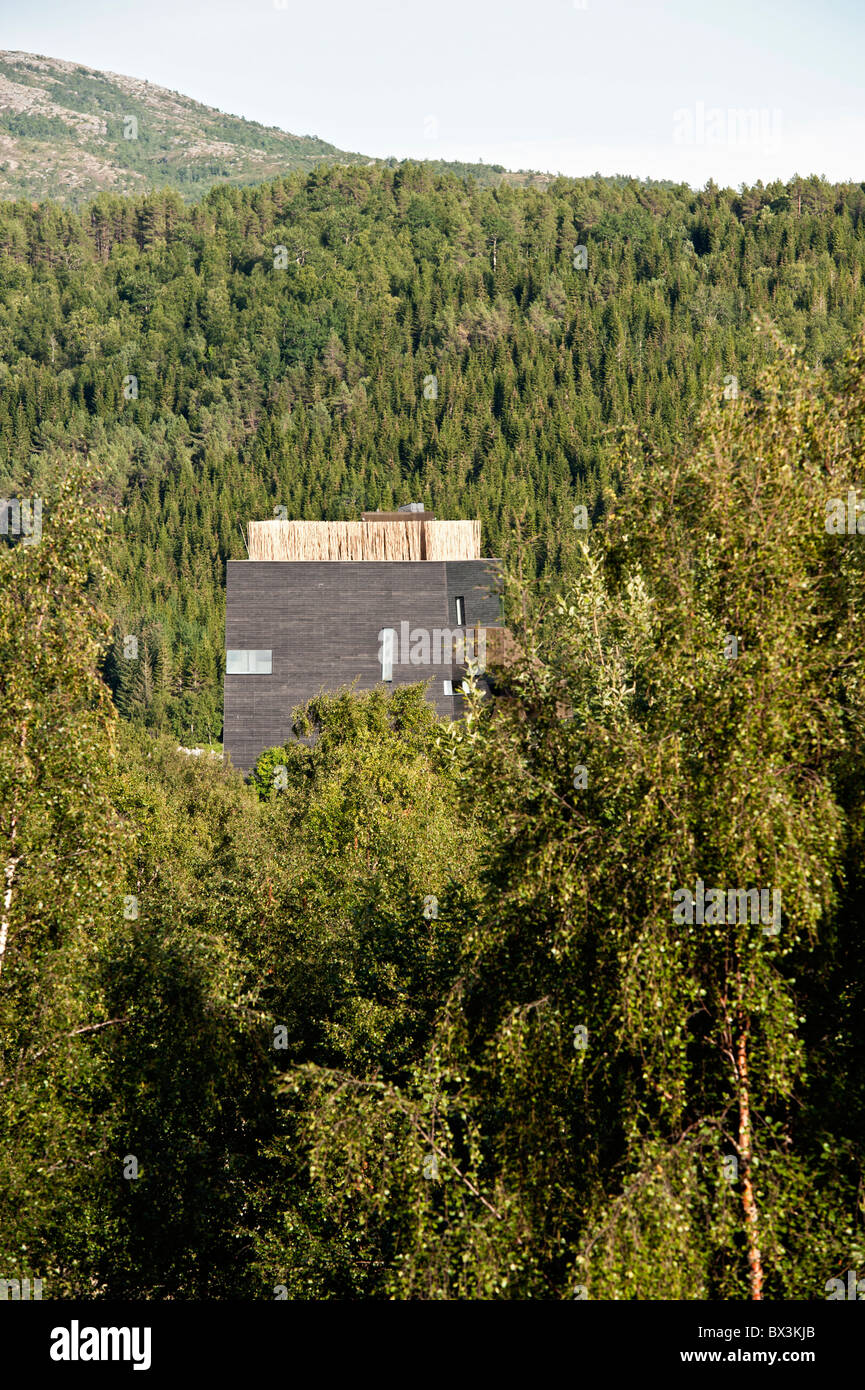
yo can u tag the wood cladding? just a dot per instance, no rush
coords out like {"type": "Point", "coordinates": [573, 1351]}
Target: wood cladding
{"type": "Point", "coordinates": [403, 539]}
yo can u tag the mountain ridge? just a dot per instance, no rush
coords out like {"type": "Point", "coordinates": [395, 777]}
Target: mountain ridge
{"type": "Point", "coordinates": [69, 132]}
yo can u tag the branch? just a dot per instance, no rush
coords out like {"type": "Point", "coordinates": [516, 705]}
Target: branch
{"type": "Point", "coordinates": [86, 1028]}
{"type": "Point", "coordinates": [392, 1094]}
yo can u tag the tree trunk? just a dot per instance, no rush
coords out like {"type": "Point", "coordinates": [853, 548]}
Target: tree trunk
{"type": "Point", "coordinates": [11, 866]}
{"type": "Point", "coordinates": [749, 1205]}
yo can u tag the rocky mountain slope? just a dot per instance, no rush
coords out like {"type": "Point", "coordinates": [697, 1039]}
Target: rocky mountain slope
{"type": "Point", "coordinates": [69, 132]}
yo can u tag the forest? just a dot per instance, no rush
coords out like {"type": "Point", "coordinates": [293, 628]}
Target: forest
{"type": "Point", "coordinates": [424, 1023]}
{"type": "Point", "coordinates": [359, 339]}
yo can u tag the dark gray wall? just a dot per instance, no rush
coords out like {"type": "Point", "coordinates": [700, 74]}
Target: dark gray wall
{"type": "Point", "coordinates": [476, 581]}
{"type": "Point", "coordinates": [321, 619]}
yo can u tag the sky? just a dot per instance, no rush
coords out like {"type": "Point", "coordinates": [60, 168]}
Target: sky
{"type": "Point", "coordinates": [678, 89]}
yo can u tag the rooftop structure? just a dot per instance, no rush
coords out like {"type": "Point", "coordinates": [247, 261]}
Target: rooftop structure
{"type": "Point", "coordinates": [378, 536]}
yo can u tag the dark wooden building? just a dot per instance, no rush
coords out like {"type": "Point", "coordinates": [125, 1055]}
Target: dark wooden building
{"type": "Point", "coordinates": [395, 598]}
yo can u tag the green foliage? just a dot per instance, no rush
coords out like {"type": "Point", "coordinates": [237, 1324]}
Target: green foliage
{"type": "Point", "coordinates": [372, 892]}
{"type": "Point", "coordinates": [34, 126]}
{"type": "Point", "coordinates": [127, 1019]}
{"type": "Point", "coordinates": [597, 1161]}
{"type": "Point", "coordinates": [61, 852]}
{"type": "Point", "coordinates": [270, 772]}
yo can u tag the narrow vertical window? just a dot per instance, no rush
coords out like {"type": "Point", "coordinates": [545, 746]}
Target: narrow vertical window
{"type": "Point", "coordinates": [387, 642]}
{"type": "Point", "coordinates": [461, 612]}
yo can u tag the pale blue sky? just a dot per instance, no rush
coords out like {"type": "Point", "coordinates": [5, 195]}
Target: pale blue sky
{"type": "Point", "coordinates": [620, 86]}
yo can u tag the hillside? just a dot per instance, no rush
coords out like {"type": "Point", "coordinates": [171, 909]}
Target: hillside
{"type": "Point", "coordinates": [69, 132]}
{"type": "Point", "coordinates": [417, 338]}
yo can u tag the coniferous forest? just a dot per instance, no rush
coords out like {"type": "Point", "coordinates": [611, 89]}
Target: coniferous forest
{"type": "Point", "coordinates": [432, 1021]}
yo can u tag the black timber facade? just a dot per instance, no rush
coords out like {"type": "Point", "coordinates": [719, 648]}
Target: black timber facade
{"type": "Point", "coordinates": [322, 621]}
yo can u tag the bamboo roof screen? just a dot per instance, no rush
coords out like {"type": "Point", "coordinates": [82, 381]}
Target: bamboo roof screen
{"type": "Point", "coordinates": [365, 540]}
